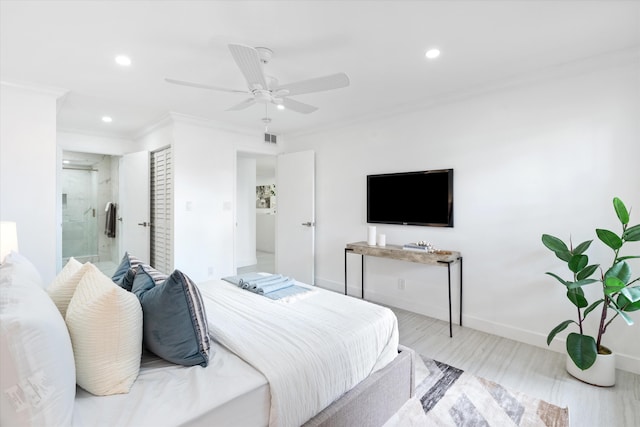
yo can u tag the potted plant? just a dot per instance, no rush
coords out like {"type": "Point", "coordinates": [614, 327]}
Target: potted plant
{"type": "Point", "coordinates": [620, 295]}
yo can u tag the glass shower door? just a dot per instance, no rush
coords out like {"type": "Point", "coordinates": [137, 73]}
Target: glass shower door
{"type": "Point", "coordinates": [79, 214]}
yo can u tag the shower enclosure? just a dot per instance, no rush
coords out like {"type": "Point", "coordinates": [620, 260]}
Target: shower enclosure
{"type": "Point", "coordinates": [80, 214]}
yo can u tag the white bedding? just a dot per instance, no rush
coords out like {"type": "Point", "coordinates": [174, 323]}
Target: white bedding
{"type": "Point", "coordinates": [230, 391]}
{"type": "Point", "coordinates": [311, 350]}
{"type": "Point", "coordinates": [165, 394]}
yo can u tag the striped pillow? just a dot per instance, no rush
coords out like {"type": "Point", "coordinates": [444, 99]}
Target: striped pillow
{"type": "Point", "coordinates": [174, 319]}
{"type": "Point", "coordinates": [62, 288]}
{"type": "Point", "coordinates": [126, 271]}
{"type": "Point", "coordinates": [105, 325]}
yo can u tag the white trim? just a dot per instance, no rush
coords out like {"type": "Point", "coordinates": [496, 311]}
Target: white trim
{"type": "Point", "coordinates": [624, 362]}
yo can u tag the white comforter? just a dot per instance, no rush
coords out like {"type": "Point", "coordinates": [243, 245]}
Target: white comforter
{"type": "Point", "coordinates": [311, 350]}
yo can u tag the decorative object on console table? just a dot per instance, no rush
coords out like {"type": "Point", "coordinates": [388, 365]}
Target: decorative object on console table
{"type": "Point", "coordinates": [438, 257]}
{"type": "Point", "coordinates": [419, 246]}
{"type": "Point", "coordinates": [371, 236]}
{"type": "Point", "coordinates": [619, 297]}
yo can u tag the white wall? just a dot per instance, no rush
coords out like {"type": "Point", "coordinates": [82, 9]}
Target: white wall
{"type": "Point", "coordinates": [204, 156]}
{"type": "Point", "coordinates": [544, 158]}
{"type": "Point", "coordinates": [28, 159]}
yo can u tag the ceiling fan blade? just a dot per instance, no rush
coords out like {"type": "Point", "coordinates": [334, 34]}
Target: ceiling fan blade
{"type": "Point", "coordinates": [244, 104]}
{"type": "Point", "coordinates": [297, 106]}
{"type": "Point", "coordinates": [248, 60]}
{"type": "Point", "coordinates": [202, 86]}
{"type": "Point", "coordinates": [318, 84]}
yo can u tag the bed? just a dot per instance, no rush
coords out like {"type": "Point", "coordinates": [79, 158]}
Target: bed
{"type": "Point", "coordinates": [337, 364]}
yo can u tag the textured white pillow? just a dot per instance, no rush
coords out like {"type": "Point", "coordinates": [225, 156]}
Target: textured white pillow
{"type": "Point", "coordinates": [105, 325]}
{"type": "Point", "coordinates": [37, 371]}
{"type": "Point", "coordinates": [62, 288]}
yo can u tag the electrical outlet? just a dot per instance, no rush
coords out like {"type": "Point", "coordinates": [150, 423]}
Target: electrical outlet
{"type": "Point", "coordinates": [401, 284]}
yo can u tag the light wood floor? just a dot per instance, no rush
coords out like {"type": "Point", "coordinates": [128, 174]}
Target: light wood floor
{"type": "Point", "coordinates": [536, 371]}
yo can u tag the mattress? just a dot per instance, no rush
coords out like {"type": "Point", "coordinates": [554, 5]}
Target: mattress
{"type": "Point", "coordinates": [166, 394]}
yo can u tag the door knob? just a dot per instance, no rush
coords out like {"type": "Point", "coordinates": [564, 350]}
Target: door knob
{"type": "Point", "coordinates": [145, 224]}
{"type": "Point", "coordinates": [308, 224]}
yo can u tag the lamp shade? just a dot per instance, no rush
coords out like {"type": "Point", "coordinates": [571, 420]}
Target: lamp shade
{"type": "Point", "coordinates": [8, 238]}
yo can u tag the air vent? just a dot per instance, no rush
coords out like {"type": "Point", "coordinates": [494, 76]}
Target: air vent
{"type": "Point", "coordinates": [273, 139]}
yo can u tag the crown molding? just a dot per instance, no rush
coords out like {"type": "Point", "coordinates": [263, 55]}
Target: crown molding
{"type": "Point", "coordinates": [609, 60]}
{"type": "Point", "coordinates": [35, 88]}
{"type": "Point", "coordinates": [172, 117]}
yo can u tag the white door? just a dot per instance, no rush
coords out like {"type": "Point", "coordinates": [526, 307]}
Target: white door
{"type": "Point", "coordinates": [134, 205]}
{"type": "Point", "coordinates": [295, 220]}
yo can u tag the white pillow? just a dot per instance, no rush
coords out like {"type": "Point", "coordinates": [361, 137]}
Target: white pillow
{"type": "Point", "coordinates": [24, 272]}
{"type": "Point", "coordinates": [105, 325]}
{"type": "Point", "coordinates": [63, 287]}
{"type": "Point", "coordinates": [37, 371]}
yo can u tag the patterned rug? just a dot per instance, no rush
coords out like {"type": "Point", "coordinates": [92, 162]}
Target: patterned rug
{"type": "Point", "coordinates": [447, 396]}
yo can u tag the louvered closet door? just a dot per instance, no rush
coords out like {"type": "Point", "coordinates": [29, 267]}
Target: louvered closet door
{"type": "Point", "coordinates": [162, 210]}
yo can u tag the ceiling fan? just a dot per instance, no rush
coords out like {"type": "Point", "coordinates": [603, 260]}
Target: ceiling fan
{"type": "Point", "coordinates": [266, 89]}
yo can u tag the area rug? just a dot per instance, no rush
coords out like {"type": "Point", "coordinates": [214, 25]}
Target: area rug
{"type": "Point", "coordinates": [447, 396]}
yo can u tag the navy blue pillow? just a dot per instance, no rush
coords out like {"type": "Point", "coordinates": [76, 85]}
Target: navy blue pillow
{"type": "Point", "coordinates": [174, 320]}
{"type": "Point", "coordinates": [126, 271]}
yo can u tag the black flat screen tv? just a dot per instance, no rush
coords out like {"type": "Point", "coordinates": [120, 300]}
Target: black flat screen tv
{"type": "Point", "coordinates": [411, 198]}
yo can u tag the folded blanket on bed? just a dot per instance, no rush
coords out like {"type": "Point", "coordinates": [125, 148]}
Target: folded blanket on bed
{"type": "Point", "coordinates": [272, 286]}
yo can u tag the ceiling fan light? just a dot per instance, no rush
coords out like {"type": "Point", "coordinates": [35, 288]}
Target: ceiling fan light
{"type": "Point", "coordinates": [123, 60]}
{"type": "Point", "coordinates": [432, 53]}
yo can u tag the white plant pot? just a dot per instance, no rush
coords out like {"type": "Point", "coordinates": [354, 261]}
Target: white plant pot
{"type": "Point", "coordinates": [602, 373]}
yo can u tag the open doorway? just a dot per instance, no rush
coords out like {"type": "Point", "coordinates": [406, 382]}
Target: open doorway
{"type": "Point", "coordinates": [89, 191]}
{"type": "Point", "coordinates": [256, 213]}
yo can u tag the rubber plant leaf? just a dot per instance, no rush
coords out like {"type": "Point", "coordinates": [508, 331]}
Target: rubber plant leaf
{"type": "Point", "coordinates": [561, 327]}
{"type": "Point", "coordinates": [631, 293]}
{"type": "Point", "coordinates": [587, 271]}
{"type": "Point", "coordinates": [621, 270]}
{"type": "Point", "coordinates": [582, 247]}
{"type": "Point", "coordinates": [576, 296]}
{"type": "Point", "coordinates": [582, 350]}
{"type": "Point", "coordinates": [560, 279]}
{"type": "Point", "coordinates": [621, 210]}
{"type": "Point", "coordinates": [613, 285]}
{"type": "Point", "coordinates": [609, 238]}
{"type": "Point", "coordinates": [578, 262]}
{"type": "Point", "coordinates": [632, 234]}
{"type": "Point", "coordinates": [627, 305]}
{"type": "Point", "coordinates": [553, 243]}
{"type": "Point", "coordinates": [580, 283]}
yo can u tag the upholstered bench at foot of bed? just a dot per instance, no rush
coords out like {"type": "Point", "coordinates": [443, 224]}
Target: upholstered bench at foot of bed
{"type": "Point", "coordinates": [372, 402]}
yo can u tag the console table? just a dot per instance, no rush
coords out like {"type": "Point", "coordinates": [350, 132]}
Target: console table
{"type": "Point", "coordinates": [438, 258]}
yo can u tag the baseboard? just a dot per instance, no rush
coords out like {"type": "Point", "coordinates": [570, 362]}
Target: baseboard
{"type": "Point", "coordinates": [624, 362]}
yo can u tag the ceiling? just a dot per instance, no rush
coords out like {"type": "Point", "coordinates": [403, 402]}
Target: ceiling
{"type": "Point", "coordinates": [380, 45]}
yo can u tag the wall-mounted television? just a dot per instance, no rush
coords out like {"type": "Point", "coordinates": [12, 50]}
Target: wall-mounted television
{"type": "Point", "coordinates": [411, 198]}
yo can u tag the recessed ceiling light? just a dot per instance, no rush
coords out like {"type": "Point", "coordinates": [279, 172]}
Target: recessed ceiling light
{"type": "Point", "coordinates": [432, 53]}
{"type": "Point", "coordinates": [107, 119]}
{"type": "Point", "coordinates": [280, 107]}
{"type": "Point", "coordinates": [123, 60]}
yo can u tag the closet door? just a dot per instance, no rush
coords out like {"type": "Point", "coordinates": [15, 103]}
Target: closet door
{"type": "Point", "coordinates": [134, 204]}
{"type": "Point", "coordinates": [162, 210]}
